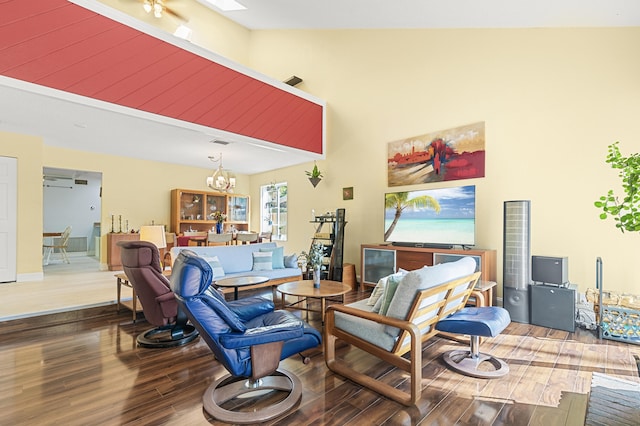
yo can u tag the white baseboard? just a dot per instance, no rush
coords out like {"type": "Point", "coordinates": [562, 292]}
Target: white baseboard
{"type": "Point", "coordinates": [32, 276]}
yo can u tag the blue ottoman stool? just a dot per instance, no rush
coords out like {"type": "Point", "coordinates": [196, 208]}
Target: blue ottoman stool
{"type": "Point", "coordinates": [486, 322]}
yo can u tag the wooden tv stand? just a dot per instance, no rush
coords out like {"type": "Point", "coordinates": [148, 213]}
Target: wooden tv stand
{"type": "Point", "coordinates": [379, 260]}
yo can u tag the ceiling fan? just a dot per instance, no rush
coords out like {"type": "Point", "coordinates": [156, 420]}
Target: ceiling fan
{"type": "Point", "coordinates": [158, 9]}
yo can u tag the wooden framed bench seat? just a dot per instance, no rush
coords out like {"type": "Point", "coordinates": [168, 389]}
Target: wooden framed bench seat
{"type": "Point", "coordinates": [389, 337]}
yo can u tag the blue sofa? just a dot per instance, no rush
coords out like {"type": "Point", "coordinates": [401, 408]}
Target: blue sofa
{"type": "Point", "coordinates": [238, 260]}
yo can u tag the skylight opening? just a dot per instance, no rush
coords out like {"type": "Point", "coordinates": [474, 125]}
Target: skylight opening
{"type": "Point", "coordinates": [226, 5]}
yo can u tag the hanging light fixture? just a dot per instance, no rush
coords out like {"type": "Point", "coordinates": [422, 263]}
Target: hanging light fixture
{"type": "Point", "coordinates": [154, 6]}
{"type": "Point", "coordinates": [220, 180]}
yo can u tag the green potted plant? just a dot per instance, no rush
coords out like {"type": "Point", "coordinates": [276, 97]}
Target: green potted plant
{"type": "Point", "coordinates": [625, 212]}
{"type": "Point", "coordinates": [313, 260]}
{"type": "Point", "coordinates": [314, 175]}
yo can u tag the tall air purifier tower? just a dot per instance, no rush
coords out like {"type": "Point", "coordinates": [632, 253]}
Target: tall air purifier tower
{"type": "Point", "coordinates": [516, 274]}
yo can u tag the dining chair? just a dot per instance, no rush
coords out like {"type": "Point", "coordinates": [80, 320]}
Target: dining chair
{"type": "Point", "coordinates": [247, 237]}
{"type": "Point", "coordinates": [60, 244]}
{"type": "Point", "coordinates": [264, 237]}
{"type": "Point", "coordinates": [218, 239]}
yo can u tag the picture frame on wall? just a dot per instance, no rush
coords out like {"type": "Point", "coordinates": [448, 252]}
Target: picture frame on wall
{"type": "Point", "coordinates": [444, 155]}
{"type": "Point", "coordinates": [347, 193]}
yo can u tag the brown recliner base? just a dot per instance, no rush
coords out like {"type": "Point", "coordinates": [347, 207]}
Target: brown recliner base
{"type": "Point", "coordinates": [167, 336]}
{"type": "Point", "coordinates": [228, 388]}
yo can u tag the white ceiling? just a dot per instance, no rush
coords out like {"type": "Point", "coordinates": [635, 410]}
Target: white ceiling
{"type": "Point", "coordinates": [359, 14]}
{"type": "Point", "coordinates": [65, 121]}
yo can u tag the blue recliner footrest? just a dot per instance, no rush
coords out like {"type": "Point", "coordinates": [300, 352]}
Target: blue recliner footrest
{"type": "Point", "coordinates": [488, 321]}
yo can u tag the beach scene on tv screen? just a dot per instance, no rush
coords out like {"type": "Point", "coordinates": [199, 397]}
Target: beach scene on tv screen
{"type": "Point", "coordinates": [420, 221]}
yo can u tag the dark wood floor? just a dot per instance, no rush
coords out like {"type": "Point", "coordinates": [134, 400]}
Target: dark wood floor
{"type": "Point", "coordinates": [89, 372]}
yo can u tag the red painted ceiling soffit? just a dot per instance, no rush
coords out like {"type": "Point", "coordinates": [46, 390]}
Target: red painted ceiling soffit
{"type": "Point", "coordinates": [61, 45]}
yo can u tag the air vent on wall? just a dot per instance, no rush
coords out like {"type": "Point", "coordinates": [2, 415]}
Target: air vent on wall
{"type": "Point", "coordinates": [293, 80]}
{"type": "Point", "coordinates": [56, 177]}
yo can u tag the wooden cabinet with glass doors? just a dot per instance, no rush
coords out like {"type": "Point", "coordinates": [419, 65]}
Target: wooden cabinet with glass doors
{"type": "Point", "coordinates": [194, 211]}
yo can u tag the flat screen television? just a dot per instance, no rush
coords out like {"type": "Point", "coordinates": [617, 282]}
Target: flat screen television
{"type": "Point", "coordinates": [443, 217]}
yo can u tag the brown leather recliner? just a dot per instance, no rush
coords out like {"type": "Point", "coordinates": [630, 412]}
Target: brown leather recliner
{"type": "Point", "coordinates": [141, 264]}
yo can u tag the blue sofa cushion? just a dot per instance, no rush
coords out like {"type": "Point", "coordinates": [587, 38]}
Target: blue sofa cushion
{"type": "Point", "coordinates": [262, 261]}
{"type": "Point", "coordinates": [291, 261]}
{"type": "Point", "coordinates": [277, 256]}
{"type": "Point", "coordinates": [216, 266]}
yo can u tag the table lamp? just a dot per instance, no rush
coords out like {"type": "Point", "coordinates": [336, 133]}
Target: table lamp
{"type": "Point", "coordinates": [154, 234]}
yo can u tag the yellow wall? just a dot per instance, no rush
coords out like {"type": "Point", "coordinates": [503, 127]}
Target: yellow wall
{"type": "Point", "coordinates": [28, 151]}
{"type": "Point", "coordinates": [551, 99]}
{"type": "Point", "coordinates": [138, 190]}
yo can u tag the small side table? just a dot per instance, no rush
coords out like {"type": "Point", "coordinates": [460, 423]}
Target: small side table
{"type": "Point", "coordinates": [483, 293]}
{"type": "Point", "coordinates": [241, 281]}
{"type": "Point", "coordinates": [122, 280]}
{"type": "Point", "coordinates": [304, 290]}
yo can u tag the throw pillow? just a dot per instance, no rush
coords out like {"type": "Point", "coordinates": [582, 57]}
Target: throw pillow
{"type": "Point", "coordinates": [291, 261]}
{"type": "Point", "coordinates": [389, 292]}
{"type": "Point", "coordinates": [277, 256]}
{"type": "Point", "coordinates": [262, 261]}
{"type": "Point", "coordinates": [377, 298]}
{"type": "Point", "coordinates": [377, 292]}
{"type": "Point", "coordinates": [216, 266]}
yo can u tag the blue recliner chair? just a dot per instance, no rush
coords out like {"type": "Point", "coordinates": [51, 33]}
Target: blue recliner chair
{"type": "Point", "coordinates": [247, 336]}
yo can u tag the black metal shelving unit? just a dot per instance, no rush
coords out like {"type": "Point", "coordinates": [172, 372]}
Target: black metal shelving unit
{"type": "Point", "coordinates": [333, 242]}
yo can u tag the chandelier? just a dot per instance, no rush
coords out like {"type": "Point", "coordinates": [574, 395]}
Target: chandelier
{"type": "Point", "coordinates": [220, 180]}
{"type": "Point", "coordinates": [154, 6]}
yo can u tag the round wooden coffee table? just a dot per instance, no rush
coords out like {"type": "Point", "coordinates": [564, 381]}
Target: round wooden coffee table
{"type": "Point", "coordinates": [304, 290]}
{"type": "Point", "coordinates": [242, 281]}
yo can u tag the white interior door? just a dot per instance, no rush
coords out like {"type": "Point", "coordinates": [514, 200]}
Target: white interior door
{"type": "Point", "coordinates": [8, 218]}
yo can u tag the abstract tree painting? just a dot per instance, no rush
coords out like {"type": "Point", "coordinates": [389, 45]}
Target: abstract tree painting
{"type": "Point", "coordinates": [444, 155]}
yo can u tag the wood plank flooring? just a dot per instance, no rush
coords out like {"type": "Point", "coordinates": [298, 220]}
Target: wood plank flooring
{"type": "Point", "coordinates": [65, 287]}
{"type": "Point", "coordinates": [88, 371]}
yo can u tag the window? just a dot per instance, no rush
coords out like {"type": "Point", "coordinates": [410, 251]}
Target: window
{"type": "Point", "coordinates": [273, 202]}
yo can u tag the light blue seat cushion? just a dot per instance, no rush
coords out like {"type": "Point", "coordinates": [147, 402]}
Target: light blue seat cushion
{"type": "Point", "coordinates": [371, 331]}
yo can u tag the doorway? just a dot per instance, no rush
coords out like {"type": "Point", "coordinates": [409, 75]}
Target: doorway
{"type": "Point", "coordinates": [72, 198]}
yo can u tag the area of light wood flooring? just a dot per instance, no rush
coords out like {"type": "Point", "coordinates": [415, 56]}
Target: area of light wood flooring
{"type": "Point", "coordinates": [64, 287]}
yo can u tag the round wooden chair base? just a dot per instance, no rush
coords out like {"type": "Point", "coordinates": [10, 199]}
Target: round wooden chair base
{"type": "Point", "coordinates": [161, 337]}
{"type": "Point", "coordinates": [229, 387]}
{"type": "Point", "coordinates": [462, 362]}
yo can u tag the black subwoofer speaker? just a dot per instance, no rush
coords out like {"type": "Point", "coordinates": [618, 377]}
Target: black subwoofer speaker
{"type": "Point", "coordinates": [553, 306]}
{"type": "Point", "coordinates": [549, 270]}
